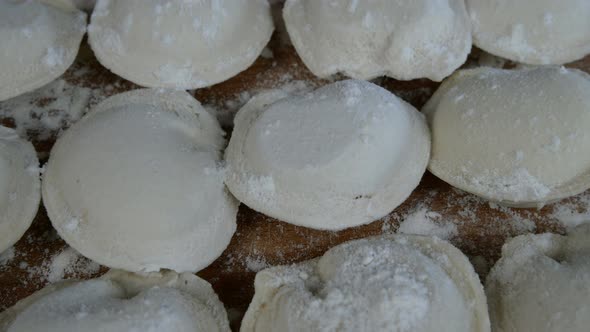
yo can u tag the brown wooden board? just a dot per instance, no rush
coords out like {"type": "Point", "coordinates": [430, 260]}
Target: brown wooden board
{"type": "Point", "coordinates": [261, 241]}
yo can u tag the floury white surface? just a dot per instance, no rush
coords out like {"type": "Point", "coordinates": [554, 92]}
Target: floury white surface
{"type": "Point", "coordinates": [137, 184]}
{"type": "Point", "coordinates": [341, 156]}
{"type": "Point", "coordinates": [40, 40]}
{"type": "Point", "coordinates": [179, 44]}
{"type": "Point", "coordinates": [517, 137]}
{"type": "Point", "coordinates": [120, 301]}
{"type": "Point", "coordinates": [537, 32]}
{"type": "Point", "coordinates": [389, 283]}
{"type": "Point", "coordinates": [367, 39]}
{"type": "Point", "coordinates": [20, 187]}
{"type": "Point", "coordinates": [541, 283]}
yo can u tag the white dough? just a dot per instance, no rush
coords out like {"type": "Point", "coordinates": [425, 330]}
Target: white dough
{"type": "Point", "coordinates": [185, 44]}
{"type": "Point", "coordinates": [137, 184]}
{"type": "Point", "coordinates": [541, 284]}
{"type": "Point", "coordinates": [39, 41]}
{"type": "Point", "coordinates": [365, 39]}
{"type": "Point", "coordinates": [120, 301]}
{"type": "Point", "coordinates": [532, 31]}
{"type": "Point", "coordinates": [20, 187]}
{"type": "Point", "coordinates": [341, 156]}
{"type": "Point", "coordinates": [402, 283]}
{"type": "Point", "coordinates": [517, 137]}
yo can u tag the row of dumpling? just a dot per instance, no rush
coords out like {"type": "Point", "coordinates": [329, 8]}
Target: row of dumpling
{"type": "Point", "coordinates": [387, 283]}
{"type": "Point", "coordinates": [139, 183]}
{"type": "Point", "coordinates": [193, 44]}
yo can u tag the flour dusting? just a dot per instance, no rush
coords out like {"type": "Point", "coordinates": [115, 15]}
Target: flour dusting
{"type": "Point", "coordinates": [422, 221]}
{"type": "Point", "coordinates": [256, 263]}
{"type": "Point", "coordinates": [6, 256]}
{"type": "Point", "coordinates": [42, 113]}
{"type": "Point", "coordinates": [65, 264]}
{"type": "Point", "coordinates": [426, 217]}
{"type": "Point", "coordinates": [55, 56]}
{"type": "Point", "coordinates": [573, 212]}
{"type": "Point", "coordinates": [69, 261]}
{"type": "Point", "coordinates": [517, 186]}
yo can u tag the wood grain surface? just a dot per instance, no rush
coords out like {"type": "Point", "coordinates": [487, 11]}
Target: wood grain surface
{"type": "Point", "coordinates": [261, 241]}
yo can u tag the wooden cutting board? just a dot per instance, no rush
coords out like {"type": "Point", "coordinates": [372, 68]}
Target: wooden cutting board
{"type": "Point", "coordinates": [479, 228]}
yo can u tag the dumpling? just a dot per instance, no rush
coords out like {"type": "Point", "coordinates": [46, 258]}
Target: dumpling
{"type": "Point", "coordinates": [541, 283]}
{"type": "Point", "coordinates": [366, 39]}
{"type": "Point", "coordinates": [341, 156]}
{"type": "Point", "coordinates": [517, 137]}
{"type": "Point", "coordinates": [388, 283]}
{"type": "Point", "coordinates": [537, 32]}
{"type": "Point", "coordinates": [179, 44]}
{"type": "Point", "coordinates": [20, 187]}
{"type": "Point", "coordinates": [40, 40]}
{"type": "Point", "coordinates": [120, 301]}
{"type": "Point", "coordinates": [137, 184]}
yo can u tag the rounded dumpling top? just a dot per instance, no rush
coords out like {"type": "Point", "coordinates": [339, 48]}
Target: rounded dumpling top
{"type": "Point", "coordinates": [343, 155]}
{"type": "Point", "coordinates": [532, 31]}
{"type": "Point", "coordinates": [179, 44]}
{"type": "Point", "coordinates": [137, 184]}
{"type": "Point", "coordinates": [518, 137]}
{"type": "Point", "coordinates": [366, 39]}
{"type": "Point", "coordinates": [387, 283]}
{"type": "Point", "coordinates": [541, 283]}
{"type": "Point", "coordinates": [120, 301]}
{"type": "Point", "coordinates": [20, 186]}
{"type": "Point", "coordinates": [40, 40]}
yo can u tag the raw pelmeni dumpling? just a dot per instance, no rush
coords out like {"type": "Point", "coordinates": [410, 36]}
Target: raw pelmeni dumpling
{"type": "Point", "coordinates": [137, 184]}
{"type": "Point", "coordinates": [541, 284]}
{"type": "Point", "coordinates": [40, 40]}
{"type": "Point", "coordinates": [389, 283]}
{"type": "Point", "coordinates": [532, 31]}
{"type": "Point", "coordinates": [20, 187]}
{"type": "Point", "coordinates": [341, 156]}
{"type": "Point", "coordinates": [365, 39]}
{"type": "Point", "coordinates": [517, 137]}
{"type": "Point", "coordinates": [185, 44]}
{"type": "Point", "coordinates": [120, 301]}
